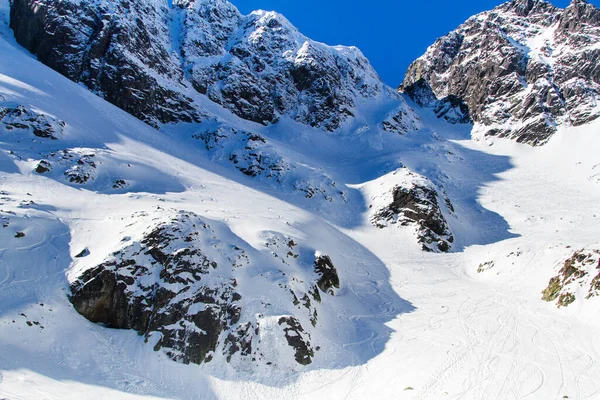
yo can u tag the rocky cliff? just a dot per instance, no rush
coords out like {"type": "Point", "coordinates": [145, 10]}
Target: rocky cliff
{"type": "Point", "coordinates": [152, 59]}
{"type": "Point", "coordinates": [522, 68]}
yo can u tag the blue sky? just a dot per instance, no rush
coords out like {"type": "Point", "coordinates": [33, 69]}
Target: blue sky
{"type": "Point", "coordinates": [390, 33]}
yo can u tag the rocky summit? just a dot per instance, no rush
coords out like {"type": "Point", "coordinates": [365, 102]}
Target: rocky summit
{"type": "Point", "coordinates": [152, 59]}
{"type": "Point", "coordinates": [523, 69]}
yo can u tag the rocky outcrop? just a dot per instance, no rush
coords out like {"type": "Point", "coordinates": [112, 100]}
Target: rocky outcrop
{"type": "Point", "coordinates": [151, 59]}
{"type": "Point", "coordinates": [120, 50]}
{"type": "Point", "coordinates": [21, 119]}
{"type": "Point", "coordinates": [78, 166]}
{"type": "Point", "coordinates": [402, 121]}
{"type": "Point", "coordinates": [189, 286]}
{"type": "Point", "coordinates": [451, 108]}
{"type": "Point", "coordinates": [297, 339]}
{"type": "Point", "coordinates": [522, 69]}
{"type": "Point", "coordinates": [579, 276]}
{"type": "Point", "coordinates": [328, 276]}
{"type": "Point", "coordinates": [157, 288]}
{"type": "Point", "coordinates": [255, 156]}
{"type": "Point", "coordinates": [415, 203]}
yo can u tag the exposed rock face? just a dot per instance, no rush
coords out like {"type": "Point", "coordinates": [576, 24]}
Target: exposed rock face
{"type": "Point", "coordinates": [183, 287]}
{"type": "Point", "coordinates": [415, 202]}
{"type": "Point", "coordinates": [580, 274]}
{"type": "Point", "coordinates": [451, 108]}
{"type": "Point", "coordinates": [121, 50]}
{"type": "Point", "coordinates": [157, 288]}
{"type": "Point", "coordinates": [43, 167]}
{"type": "Point", "coordinates": [260, 67]}
{"type": "Point", "coordinates": [296, 338]}
{"type": "Point", "coordinates": [402, 121]}
{"type": "Point", "coordinates": [151, 59]}
{"type": "Point", "coordinates": [328, 276]}
{"type": "Point", "coordinates": [21, 119]}
{"type": "Point", "coordinates": [523, 68]}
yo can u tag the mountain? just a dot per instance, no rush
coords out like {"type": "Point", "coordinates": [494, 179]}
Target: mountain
{"type": "Point", "coordinates": [523, 69]}
{"type": "Point", "coordinates": [196, 203]}
{"type": "Point", "coordinates": [171, 63]}
{"type": "Point", "coordinates": [106, 218]}
{"type": "Point", "coordinates": [150, 59]}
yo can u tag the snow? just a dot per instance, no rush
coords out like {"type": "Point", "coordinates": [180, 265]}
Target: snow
{"type": "Point", "coordinates": [402, 319]}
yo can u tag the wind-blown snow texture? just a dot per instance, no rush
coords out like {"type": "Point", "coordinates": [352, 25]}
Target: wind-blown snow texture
{"type": "Point", "coordinates": [231, 255]}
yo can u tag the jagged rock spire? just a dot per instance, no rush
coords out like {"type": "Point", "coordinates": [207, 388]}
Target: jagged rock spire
{"type": "Point", "coordinates": [579, 13]}
{"type": "Point", "coordinates": [524, 7]}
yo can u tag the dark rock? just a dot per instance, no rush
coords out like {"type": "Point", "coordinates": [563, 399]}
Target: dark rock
{"type": "Point", "coordinates": [451, 108]}
{"type": "Point", "coordinates": [118, 53]}
{"type": "Point", "coordinates": [19, 235]}
{"type": "Point", "coordinates": [401, 121]}
{"type": "Point", "coordinates": [161, 296]}
{"type": "Point", "coordinates": [43, 167]}
{"type": "Point", "coordinates": [82, 171]}
{"type": "Point", "coordinates": [299, 339]}
{"type": "Point", "coordinates": [84, 253]}
{"type": "Point", "coordinates": [418, 205]}
{"type": "Point", "coordinates": [328, 276]}
{"type": "Point", "coordinates": [119, 183]}
{"type": "Point", "coordinates": [181, 294]}
{"type": "Point", "coordinates": [23, 118]}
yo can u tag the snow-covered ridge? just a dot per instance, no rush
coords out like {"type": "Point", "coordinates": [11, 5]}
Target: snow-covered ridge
{"type": "Point", "coordinates": [155, 61]}
{"type": "Point", "coordinates": [520, 68]}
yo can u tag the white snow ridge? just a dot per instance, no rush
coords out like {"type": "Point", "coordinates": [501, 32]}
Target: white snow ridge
{"type": "Point", "coordinates": [200, 204]}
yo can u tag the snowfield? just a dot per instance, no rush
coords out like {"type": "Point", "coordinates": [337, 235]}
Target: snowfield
{"type": "Point", "coordinates": [404, 324]}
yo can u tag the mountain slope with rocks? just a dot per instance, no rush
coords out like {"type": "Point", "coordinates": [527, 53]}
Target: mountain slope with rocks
{"type": "Point", "coordinates": [133, 231]}
{"type": "Point", "coordinates": [152, 60]}
{"type": "Point", "coordinates": [523, 69]}
{"type": "Point", "coordinates": [256, 215]}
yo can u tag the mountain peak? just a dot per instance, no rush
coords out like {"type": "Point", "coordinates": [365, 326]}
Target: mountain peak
{"type": "Point", "coordinates": [213, 10]}
{"type": "Point", "coordinates": [578, 15]}
{"type": "Point", "coordinates": [524, 8]}
{"type": "Point", "coordinates": [540, 82]}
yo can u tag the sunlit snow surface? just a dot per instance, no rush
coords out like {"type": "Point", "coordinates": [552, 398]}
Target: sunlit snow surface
{"type": "Point", "coordinates": [405, 324]}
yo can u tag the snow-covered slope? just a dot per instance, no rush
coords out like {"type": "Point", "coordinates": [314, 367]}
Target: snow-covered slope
{"type": "Point", "coordinates": [130, 225]}
{"type": "Point", "coordinates": [523, 68]}
{"type": "Point", "coordinates": [229, 259]}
